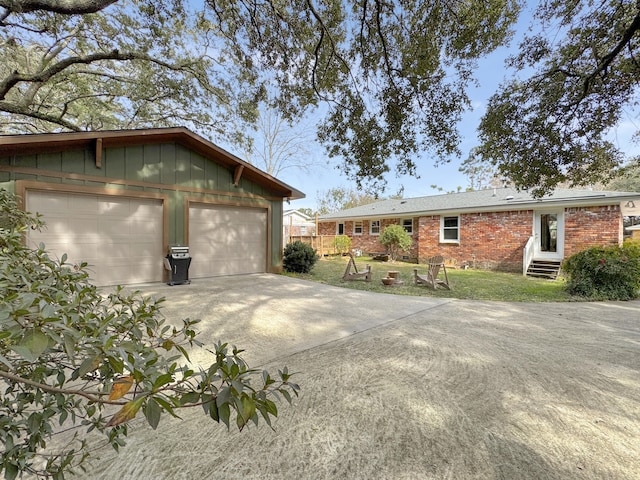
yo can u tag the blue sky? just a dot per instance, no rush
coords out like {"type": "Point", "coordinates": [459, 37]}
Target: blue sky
{"type": "Point", "coordinates": [491, 72]}
{"type": "Point", "coordinates": [323, 177]}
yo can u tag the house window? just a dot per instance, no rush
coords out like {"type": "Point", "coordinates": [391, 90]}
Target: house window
{"type": "Point", "coordinates": [374, 227]}
{"type": "Point", "coordinates": [357, 227]}
{"type": "Point", "coordinates": [407, 224]}
{"type": "Point", "coordinates": [303, 230]}
{"type": "Point", "coordinates": [450, 229]}
{"type": "Point", "coordinates": [340, 229]}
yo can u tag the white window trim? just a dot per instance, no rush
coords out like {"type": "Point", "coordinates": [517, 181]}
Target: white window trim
{"type": "Point", "coordinates": [448, 240]}
{"type": "Point", "coordinates": [338, 228]}
{"type": "Point", "coordinates": [404, 226]}
{"type": "Point", "coordinates": [361, 227]}
{"type": "Point", "coordinates": [371, 232]}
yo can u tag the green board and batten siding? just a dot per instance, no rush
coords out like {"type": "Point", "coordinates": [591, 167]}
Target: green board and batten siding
{"type": "Point", "coordinates": [186, 174]}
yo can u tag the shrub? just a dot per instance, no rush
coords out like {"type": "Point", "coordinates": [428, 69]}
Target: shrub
{"type": "Point", "coordinates": [395, 238]}
{"type": "Point", "coordinates": [299, 257]}
{"type": "Point", "coordinates": [73, 357]}
{"type": "Point", "coordinates": [605, 273]}
{"type": "Point", "coordinates": [342, 244]}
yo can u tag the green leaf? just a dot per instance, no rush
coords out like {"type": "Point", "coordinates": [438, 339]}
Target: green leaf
{"type": "Point", "coordinates": [26, 300]}
{"type": "Point", "coordinates": [116, 364]}
{"type": "Point", "coordinates": [162, 380]}
{"type": "Point", "coordinates": [240, 422]}
{"type": "Point", "coordinates": [182, 351]}
{"type": "Point", "coordinates": [207, 400]}
{"type": "Point", "coordinates": [5, 315]}
{"type": "Point", "coordinates": [285, 394]}
{"type": "Point", "coordinates": [224, 411]}
{"type": "Point", "coordinates": [264, 413]}
{"type": "Point", "coordinates": [190, 397]}
{"type": "Point", "coordinates": [10, 471]}
{"type": "Point", "coordinates": [213, 412]}
{"type": "Point", "coordinates": [126, 413]}
{"type": "Point", "coordinates": [152, 412]}
{"type": "Point", "coordinates": [6, 362]}
{"type": "Point", "coordinates": [63, 417]}
{"type": "Point", "coordinates": [223, 396]}
{"type": "Point", "coordinates": [32, 345]}
{"type": "Point", "coordinates": [167, 406]}
{"type": "Point", "coordinates": [238, 386]}
{"type": "Point", "coordinates": [69, 346]}
{"type": "Point", "coordinates": [24, 352]}
{"type": "Point", "coordinates": [248, 407]}
{"type": "Point", "coordinates": [271, 407]}
{"type": "Point", "coordinates": [88, 365]}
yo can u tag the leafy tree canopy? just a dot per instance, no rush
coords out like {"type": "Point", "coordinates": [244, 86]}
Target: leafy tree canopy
{"type": "Point", "coordinates": [480, 174]}
{"type": "Point", "coordinates": [391, 76]}
{"type": "Point", "coordinates": [628, 179]}
{"type": "Point", "coordinates": [574, 80]}
{"type": "Point", "coordinates": [75, 359]}
{"type": "Point", "coordinates": [129, 64]}
{"type": "Point", "coordinates": [340, 198]}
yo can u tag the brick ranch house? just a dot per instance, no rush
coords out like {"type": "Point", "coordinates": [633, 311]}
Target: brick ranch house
{"type": "Point", "coordinates": [499, 229]}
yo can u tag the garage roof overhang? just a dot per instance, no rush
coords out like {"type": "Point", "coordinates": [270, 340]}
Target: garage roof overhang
{"type": "Point", "coordinates": [56, 142]}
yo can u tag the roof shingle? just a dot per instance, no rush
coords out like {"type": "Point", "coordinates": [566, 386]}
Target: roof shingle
{"type": "Point", "coordinates": [500, 199]}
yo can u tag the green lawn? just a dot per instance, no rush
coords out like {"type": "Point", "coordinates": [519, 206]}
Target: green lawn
{"type": "Point", "coordinates": [465, 284]}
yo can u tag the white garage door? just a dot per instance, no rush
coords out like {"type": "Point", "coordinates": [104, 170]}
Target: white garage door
{"type": "Point", "coordinates": [227, 240]}
{"type": "Point", "coordinates": [120, 238]}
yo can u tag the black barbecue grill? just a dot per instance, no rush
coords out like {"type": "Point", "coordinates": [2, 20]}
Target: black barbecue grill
{"type": "Point", "coordinates": [177, 262]}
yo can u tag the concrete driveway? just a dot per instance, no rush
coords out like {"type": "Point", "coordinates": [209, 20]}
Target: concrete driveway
{"type": "Point", "coordinates": [398, 387]}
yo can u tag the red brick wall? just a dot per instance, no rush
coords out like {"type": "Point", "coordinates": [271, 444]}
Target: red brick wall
{"type": "Point", "coordinates": [326, 228]}
{"type": "Point", "coordinates": [366, 242]}
{"type": "Point", "coordinates": [495, 240]}
{"type": "Point", "coordinates": [429, 237]}
{"type": "Point", "coordinates": [586, 227]}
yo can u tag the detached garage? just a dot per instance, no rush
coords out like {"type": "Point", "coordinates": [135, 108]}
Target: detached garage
{"type": "Point", "coordinates": [118, 200]}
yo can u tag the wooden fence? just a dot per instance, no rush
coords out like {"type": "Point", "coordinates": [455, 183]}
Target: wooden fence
{"type": "Point", "coordinates": [324, 244]}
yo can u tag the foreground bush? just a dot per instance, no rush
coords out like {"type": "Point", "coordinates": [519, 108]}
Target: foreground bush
{"type": "Point", "coordinates": [605, 273]}
{"type": "Point", "coordinates": [77, 359]}
{"type": "Point", "coordinates": [299, 257]}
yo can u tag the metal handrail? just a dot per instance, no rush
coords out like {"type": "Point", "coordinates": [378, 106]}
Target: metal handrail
{"type": "Point", "coordinates": [527, 256]}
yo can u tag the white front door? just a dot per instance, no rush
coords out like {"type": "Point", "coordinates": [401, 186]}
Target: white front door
{"type": "Point", "coordinates": [549, 234]}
